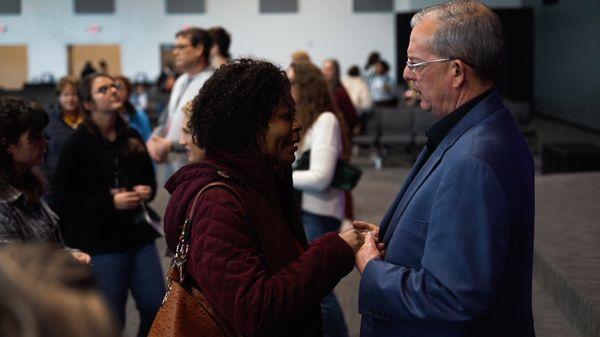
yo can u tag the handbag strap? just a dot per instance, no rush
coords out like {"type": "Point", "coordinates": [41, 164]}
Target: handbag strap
{"type": "Point", "coordinates": [182, 251]}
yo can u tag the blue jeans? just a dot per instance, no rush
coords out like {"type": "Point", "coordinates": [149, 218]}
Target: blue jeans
{"type": "Point", "coordinates": [139, 270]}
{"type": "Point", "coordinates": [334, 323]}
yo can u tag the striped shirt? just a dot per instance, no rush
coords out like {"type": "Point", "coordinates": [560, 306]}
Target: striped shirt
{"type": "Point", "coordinates": [26, 221]}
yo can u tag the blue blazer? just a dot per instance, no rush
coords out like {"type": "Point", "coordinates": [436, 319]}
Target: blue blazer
{"type": "Point", "coordinates": [459, 238]}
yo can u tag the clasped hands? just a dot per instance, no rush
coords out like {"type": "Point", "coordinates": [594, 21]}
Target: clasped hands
{"type": "Point", "coordinates": [125, 200]}
{"type": "Point", "coordinates": [364, 240]}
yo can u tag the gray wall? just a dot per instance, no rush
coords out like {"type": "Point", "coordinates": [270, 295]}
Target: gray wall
{"type": "Point", "coordinates": [323, 28]}
{"type": "Point", "coordinates": [567, 53]}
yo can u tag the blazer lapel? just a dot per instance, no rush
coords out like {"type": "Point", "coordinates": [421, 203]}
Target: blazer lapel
{"type": "Point", "coordinates": [412, 188]}
{"type": "Point", "coordinates": [389, 216]}
{"type": "Point", "coordinates": [484, 109]}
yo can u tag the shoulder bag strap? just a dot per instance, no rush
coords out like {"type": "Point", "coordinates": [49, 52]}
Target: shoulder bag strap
{"type": "Point", "coordinates": [183, 244]}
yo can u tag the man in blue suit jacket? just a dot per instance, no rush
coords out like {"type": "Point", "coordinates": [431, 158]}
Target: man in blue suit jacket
{"type": "Point", "coordinates": [459, 236]}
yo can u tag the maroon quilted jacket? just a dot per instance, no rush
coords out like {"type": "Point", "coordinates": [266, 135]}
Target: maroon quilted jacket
{"type": "Point", "coordinates": [250, 256]}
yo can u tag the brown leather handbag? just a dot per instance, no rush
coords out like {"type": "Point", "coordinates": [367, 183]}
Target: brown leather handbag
{"type": "Point", "coordinates": [185, 312]}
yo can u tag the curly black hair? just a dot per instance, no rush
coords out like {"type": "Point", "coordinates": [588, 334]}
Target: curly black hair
{"type": "Point", "coordinates": [234, 107]}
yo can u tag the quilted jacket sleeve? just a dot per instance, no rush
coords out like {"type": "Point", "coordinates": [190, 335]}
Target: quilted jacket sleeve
{"type": "Point", "coordinates": [226, 265]}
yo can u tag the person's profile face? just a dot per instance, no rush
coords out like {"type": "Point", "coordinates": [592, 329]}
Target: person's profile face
{"type": "Point", "coordinates": [195, 154]}
{"type": "Point", "coordinates": [29, 150]}
{"type": "Point", "coordinates": [430, 82]}
{"type": "Point", "coordinates": [185, 55]}
{"type": "Point", "coordinates": [283, 134]}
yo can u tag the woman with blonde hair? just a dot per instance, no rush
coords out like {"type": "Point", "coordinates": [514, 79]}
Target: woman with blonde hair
{"type": "Point", "coordinates": [324, 135]}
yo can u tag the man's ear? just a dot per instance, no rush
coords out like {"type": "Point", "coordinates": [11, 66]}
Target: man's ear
{"type": "Point", "coordinates": [199, 50]}
{"type": "Point", "coordinates": [459, 73]}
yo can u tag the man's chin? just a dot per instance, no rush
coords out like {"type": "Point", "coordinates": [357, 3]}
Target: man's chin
{"type": "Point", "coordinates": [425, 105]}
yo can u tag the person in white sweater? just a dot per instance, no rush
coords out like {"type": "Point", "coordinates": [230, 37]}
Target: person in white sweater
{"type": "Point", "coordinates": [322, 205]}
{"type": "Point", "coordinates": [358, 90]}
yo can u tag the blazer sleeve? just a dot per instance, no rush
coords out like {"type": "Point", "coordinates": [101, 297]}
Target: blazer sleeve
{"type": "Point", "coordinates": [466, 247]}
{"type": "Point", "coordinates": [226, 265]}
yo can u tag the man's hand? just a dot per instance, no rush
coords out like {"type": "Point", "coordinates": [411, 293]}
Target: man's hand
{"type": "Point", "coordinates": [159, 148]}
{"type": "Point", "coordinates": [365, 226]}
{"type": "Point", "coordinates": [369, 251]}
{"type": "Point", "coordinates": [144, 191]}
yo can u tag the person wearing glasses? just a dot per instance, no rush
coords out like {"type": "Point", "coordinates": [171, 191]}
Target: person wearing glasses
{"type": "Point", "coordinates": [103, 178]}
{"type": "Point", "coordinates": [192, 57]}
{"type": "Point", "coordinates": [459, 236]}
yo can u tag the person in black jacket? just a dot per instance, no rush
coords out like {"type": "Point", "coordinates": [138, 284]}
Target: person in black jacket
{"type": "Point", "coordinates": [64, 117]}
{"type": "Point", "coordinates": [103, 179]}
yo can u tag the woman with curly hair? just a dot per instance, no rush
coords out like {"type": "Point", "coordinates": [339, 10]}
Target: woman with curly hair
{"type": "Point", "coordinates": [323, 135]}
{"type": "Point", "coordinates": [24, 215]}
{"type": "Point", "coordinates": [103, 179]}
{"type": "Point", "coordinates": [248, 251]}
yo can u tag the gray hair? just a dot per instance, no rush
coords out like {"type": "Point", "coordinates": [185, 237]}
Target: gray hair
{"type": "Point", "coordinates": [469, 31]}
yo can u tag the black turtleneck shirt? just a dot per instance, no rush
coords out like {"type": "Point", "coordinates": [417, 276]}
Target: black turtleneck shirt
{"type": "Point", "coordinates": [438, 131]}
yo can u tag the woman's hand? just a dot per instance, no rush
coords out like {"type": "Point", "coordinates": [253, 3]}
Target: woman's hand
{"type": "Point", "coordinates": [355, 239]}
{"type": "Point", "coordinates": [126, 200]}
{"type": "Point", "coordinates": [366, 227]}
{"type": "Point", "coordinates": [144, 191]}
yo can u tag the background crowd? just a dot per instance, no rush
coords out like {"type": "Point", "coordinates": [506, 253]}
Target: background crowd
{"type": "Point", "coordinates": [98, 127]}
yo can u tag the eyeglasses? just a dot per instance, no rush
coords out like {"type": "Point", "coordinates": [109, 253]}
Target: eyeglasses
{"type": "Point", "coordinates": [105, 88]}
{"type": "Point", "coordinates": [414, 66]}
